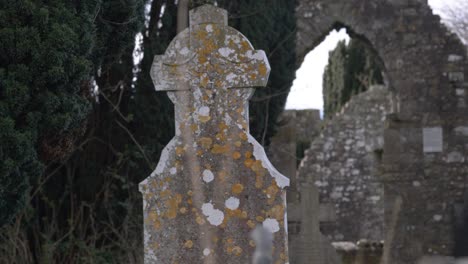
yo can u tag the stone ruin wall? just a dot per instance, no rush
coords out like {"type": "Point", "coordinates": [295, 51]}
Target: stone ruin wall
{"type": "Point", "coordinates": [296, 128]}
{"type": "Point", "coordinates": [424, 164]}
{"type": "Point", "coordinates": [343, 163]}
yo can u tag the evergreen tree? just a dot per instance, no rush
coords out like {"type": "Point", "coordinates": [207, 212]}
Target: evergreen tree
{"type": "Point", "coordinates": [270, 26]}
{"type": "Point", "coordinates": [44, 78]}
{"type": "Point", "coordinates": [351, 69]}
{"type": "Point", "coordinates": [153, 111]}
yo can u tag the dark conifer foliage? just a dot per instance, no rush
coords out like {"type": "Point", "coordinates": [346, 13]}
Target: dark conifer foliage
{"type": "Point", "coordinates": [153, 111]}
{"type": "Point", "coordinates": [45, 64]}
{"type": "Point", "coordinates": [270, 26]}
{"type": "Point", "coordinates": [351, 69]}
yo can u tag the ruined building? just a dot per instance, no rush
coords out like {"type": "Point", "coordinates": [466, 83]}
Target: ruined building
{"type": "Point", "coordinates": [422, 160]}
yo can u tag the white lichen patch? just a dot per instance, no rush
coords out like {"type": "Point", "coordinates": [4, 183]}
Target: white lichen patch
{"type": "Point", "coordinates": [184, 51]}
{"type": "Point", "coordinates": [271, 225]}
{"type": "Point", "coordinates": [230, 77]}
{"type": "Point", "coordinates": [214, 216]}
{"type": "Point", "coordinates": [437, 217]}
{"type": "Point", "coordinates": [208, 176]}
{"type": "Point", "coordinates": [206, 252]}
{"type": "Point", "coordinates": [255, 55]}
{"type": "Point", "coordinates": [232, 203]}
{"type": "Point", "coordinates": [209, 28]}
{"type": "Point", "coordinates": [225, 52]}
{"type": "Point", "coordinates": [173, 170]}
{"type": "Point", "coordinates": [204, 111]}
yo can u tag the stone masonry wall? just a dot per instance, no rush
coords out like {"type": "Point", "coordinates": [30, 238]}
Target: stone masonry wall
{"type": "Point", "coordinates": [296, 129]}
{"type": "Point", "coordinates": [343, 163]}
{"type": "Point", "coordinates": [424, 162]}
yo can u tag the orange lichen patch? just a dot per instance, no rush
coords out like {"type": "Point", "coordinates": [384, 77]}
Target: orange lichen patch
{"type": "Point", "coordinates": [218, 149]}
{"type": "Point", "coordinates": [201, 34]}
{"type": "Point", "coordinates": [204, 81]}
{"type": "Point", "coordinates": [258, 181]}
{"type": "Point", "coordinates": [200, 220]}
{"type": "Point", "coordinates": [183, 210]}
{"type": "Point", "coordinates": [179, 151]}
{"type": "Point", "coordinates": [283, 256]}
{"type": "Point", "coordinates": [225, 221]}
{"type": "Point", "coordinates": [237, 188]}
{"type": "Point", "coordinates": [152, 216]}
{"type": "Point", "coordinates": [202, 58]}
{"type": "Point", "coordinates": [222, 126]}
{"type": "Point", "coordinates": [219, 83]}
{"type": "Point", "coordinates": [240, 110]}
{"type": "Point", "coordinates": [257, 167]}
{"type": "Point", "coordinates": [173, 206]}
{"type": "Point", "coordinates": [262, 69]}
{"type": "Point", "coordinates": [249, 162]}
{"type": "Point", "coordinates": [248, 154]}
{"type": "Point", "coordinates": [204, 119]}
{"type": "Point", "coordinates": [260, 218]}
{"type": "Point", "coordinates": [193, 127]}
{"type": "Point", "coordinates": [157, 225]}
{"type": "Point", "coordinates": [199, 152]}
{"type": "Point", "coordinates": [236, 250]}
{"type": "Point", "coordinates": [237, 143]}
{"type": "Point", "coordinates": [188, 244]}
{"type": "Point", "coordinates": [205, 142]}
{"type": "Point", "coordinates": [272, 190]}
{"type": "Point", "coordinates": [215, 239]}
{"type": "Point", "coordinates": [165, 193]}
{"type": "Point", "coordinates": [277, 212]}
{"type": "Point", "coordinates": [222, 175]}
{"type": "Point", "coordinates": [234, 213]}
{"type": "Point", "coordinates": [253, 76]}
{"type": "Point", "coordinates": [251, 224]}
{"type": "Point", "coordinates": [210, 46]}
{"type": "Point", "coordinates": [245, 46]}
{"type": "Point", "coordinates": [221, 136]}
{"type": "Point", "coordinates": [244, 215]}
{"type": "Point", "coordinates": [252, 243]}
{"type": "Point", "coordinates": [243, 135]}
{"type": "Point", "coordinates": [236, 155]}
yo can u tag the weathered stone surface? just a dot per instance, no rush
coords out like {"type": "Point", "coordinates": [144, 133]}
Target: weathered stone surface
{"type": "Point", "coordinates": [297, 129]}
{"type": "Point", "coordinates": [425, 67]}
{"type": "Point", "coordinates": [343, 164]}
{"type": "Point", "coordinates": [213, 183]}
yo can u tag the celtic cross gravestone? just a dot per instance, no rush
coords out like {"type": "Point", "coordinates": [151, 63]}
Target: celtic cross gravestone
{"type": "Point", "coordinates": [213, 184]}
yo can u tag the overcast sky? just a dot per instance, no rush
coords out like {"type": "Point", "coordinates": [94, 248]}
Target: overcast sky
{"type": "Point", "coordinates": [306, 91]}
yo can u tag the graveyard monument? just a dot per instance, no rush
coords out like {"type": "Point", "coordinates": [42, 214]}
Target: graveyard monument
{"type": "Point", "coordinates": [213, 184]}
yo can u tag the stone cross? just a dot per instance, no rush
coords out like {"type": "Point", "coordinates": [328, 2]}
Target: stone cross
{"type": "Point", "coordinates": [213, 184]}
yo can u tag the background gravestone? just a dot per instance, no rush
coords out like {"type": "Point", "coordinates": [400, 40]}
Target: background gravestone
{"type": "Point", "coordinates": [213, 183]}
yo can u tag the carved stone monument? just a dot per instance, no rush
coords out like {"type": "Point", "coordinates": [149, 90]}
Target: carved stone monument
{"type": "Point", "coordinates": [213, 184]}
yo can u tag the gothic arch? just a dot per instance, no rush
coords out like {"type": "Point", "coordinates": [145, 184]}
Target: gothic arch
{"type": "Point", "coordinates": [426, 139]}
